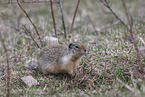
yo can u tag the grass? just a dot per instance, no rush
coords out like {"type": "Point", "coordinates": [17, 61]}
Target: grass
{"type": "Point", "coordinates": [105, 70]}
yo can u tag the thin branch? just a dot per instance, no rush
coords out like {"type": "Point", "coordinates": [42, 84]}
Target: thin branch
{"type": "Point", "coordinates": [74, 16]}
{"type": "Point", "coordinates": [29, 2]}
{"type": "Point", "coordinates": [127, 86]}
{"type": "Point", "coordinates": [110, 25]}
{"type": "Point", "coordinates": [137, 48]}
{"type": "Point", "coordinates": [106, 4]}
{"type": "Point", "coordinates": [103, 28]}
{"type": "Point", "coordinates": [93, 25]}
{"type": "Point", "coordinates": [27, 32]}
{"type": "Point", "coordinates": [131, 32]}
{"type": "Point", "coordinates": [9, 1]}
{"type": "Point", "coordinates": [54, 25]}
{"type": "Point", "coordinates": [62, 17]}
{"type": "Point", "coordinates": [128, 19]}
{"type": "Point", "coordinates": [8, 69]}
{"type": "Point", "coordinates": [18, 2]}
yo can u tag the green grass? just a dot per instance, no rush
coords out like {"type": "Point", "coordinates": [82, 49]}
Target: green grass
{"type": "Point", "coordinates": [106, 68]}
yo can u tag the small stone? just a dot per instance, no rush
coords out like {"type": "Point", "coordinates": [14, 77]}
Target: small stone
{"type": "Point", "coordinates": [29, 80]}
{"type": "Point", "coordinates": [51, 40]}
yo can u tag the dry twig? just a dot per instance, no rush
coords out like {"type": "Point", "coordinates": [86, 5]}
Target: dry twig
{"type": "Point", "coordinates": [8, 69]}
{"type": "Point", "coordinates": [18, 2]}
{"type": "Point", "coordinates": [27, 32]}
{"type": "Point", "coordinates": [105, 3]}
{"type": "Point", "coordinates": [9, 1]}
{"type": "Point", "coordinates": [138, 49]}
{"type": "Point", "coordinates": [29, 2]}
{"type": "Point", "coordinates": [132, 40]}
{"type": "Point", "coordinates": [93, 25]}
{"type": "Point", "coordinates": [54, 24]}
{"type": "Point", "coordinates": [127, 86]}
{"type": "Point", "coordinates": [74, 16]}
{"type": "Point", "coordinates": [62, 17]}
{"type": "Point", "coordinates": [103, 28]}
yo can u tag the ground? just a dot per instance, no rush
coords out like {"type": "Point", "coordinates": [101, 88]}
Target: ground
{"type": "Point", "coordinates": [109, 67]}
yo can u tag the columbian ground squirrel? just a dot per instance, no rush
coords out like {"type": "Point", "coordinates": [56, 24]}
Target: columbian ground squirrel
{"type": "Point", "coordinates": [59, 58]}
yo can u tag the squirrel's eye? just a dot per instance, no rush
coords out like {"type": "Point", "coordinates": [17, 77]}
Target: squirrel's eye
{"type": "Point", "coordinates": [76, 46]}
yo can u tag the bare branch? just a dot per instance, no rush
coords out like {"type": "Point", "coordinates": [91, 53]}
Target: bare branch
{"type": "Point", "coordinates": [8, 69]}
{"type": "Point", "coordinates": [62, 17]}
{"type": "Point", "coordinates": [9, 1]}
{"type": "Point", "coordinates": [127, 86]}
{"type": "Point", "coordinates": [93, 25]}
{"type": "Point", "coordinates": [54, 25]}
{"type": "Point", "coordinates": [137, 48]}
{"type": "Point", "coordinates": [131, 33]}
{"type": "Point", "coordinates": [128, 20]}
{"type": "Point", "coordinates": [74, 16]}
{"type": "Point", "coordinates": [110, 25]}
{"type": "Point", "coordinates": [29, 2]}
{"type": "Point", "coordinates": [103, 28]}
{"type": "Point", "coordinates": [18, 2]}
{"type": "Point", "coordinates": [27, 32]}
{"type": "Point", "coordinates": [106, 4]}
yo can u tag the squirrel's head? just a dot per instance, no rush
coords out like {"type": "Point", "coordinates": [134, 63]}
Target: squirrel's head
{"type": "Point", "coordinates": [77, 49]}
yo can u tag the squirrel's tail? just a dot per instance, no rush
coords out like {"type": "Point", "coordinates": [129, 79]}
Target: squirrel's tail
{"type": "Point", "coordinates": [32, 64]}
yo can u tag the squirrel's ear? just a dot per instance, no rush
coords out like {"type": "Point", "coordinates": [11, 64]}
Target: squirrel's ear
{"type": "Point", "coordinates": [70, 45]}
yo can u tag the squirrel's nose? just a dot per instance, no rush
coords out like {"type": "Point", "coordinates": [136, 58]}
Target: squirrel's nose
{"type": "Point", "coordinates": [83, 51]}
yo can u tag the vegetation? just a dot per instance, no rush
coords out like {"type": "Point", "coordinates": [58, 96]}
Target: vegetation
{"type": "Point", "coordinates": [110, 67]}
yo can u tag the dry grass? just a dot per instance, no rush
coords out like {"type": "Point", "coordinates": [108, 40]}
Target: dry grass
{"type": "Point", "coordinates": [108, 60]}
